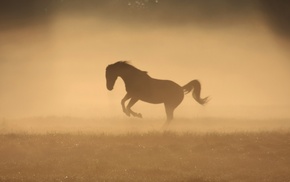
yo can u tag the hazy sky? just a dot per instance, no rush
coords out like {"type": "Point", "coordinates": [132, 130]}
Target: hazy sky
{"type": "Point", "coordinates": [53, 55]}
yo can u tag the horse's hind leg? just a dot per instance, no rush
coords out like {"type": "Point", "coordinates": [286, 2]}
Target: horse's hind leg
{"type": "Point", "coordinates": [169, 112]}
{"type": "Point", "coordinates": [130, 104]}
{"type": "Point", "coordinates": [172, 103]}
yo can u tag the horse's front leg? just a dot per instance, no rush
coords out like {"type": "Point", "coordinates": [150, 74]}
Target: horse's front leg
{"type": "Point", "coordinates": [130, 104]}
{"type": "Point", "coordinates": [127, 96]}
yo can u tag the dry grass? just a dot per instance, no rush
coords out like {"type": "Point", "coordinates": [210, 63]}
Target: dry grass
{"type": "Point", "coordinates": [147, 156]}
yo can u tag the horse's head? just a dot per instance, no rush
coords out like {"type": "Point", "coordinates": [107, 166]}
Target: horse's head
{"type": "Point", "coordinates": [111, 76]}
{"type": "Point", "coordinates": [122, 69]}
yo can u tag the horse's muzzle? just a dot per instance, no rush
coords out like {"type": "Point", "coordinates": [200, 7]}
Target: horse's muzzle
{"type": "Point", "coordinates": [110, 88]}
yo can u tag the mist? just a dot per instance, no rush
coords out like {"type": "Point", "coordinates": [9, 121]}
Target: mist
{"type": "Point", "coordinates": [53, 56]}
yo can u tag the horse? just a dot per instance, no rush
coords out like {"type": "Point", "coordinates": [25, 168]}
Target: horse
{"type": "Point", "coordinates": [140, 86]}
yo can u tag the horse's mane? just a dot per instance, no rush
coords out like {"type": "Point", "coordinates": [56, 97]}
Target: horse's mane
{"type": "Point", "coordinates": [126, 64]}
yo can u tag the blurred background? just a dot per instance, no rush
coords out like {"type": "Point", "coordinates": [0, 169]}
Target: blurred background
{"type": "Point", "coordinates": [53, 55]}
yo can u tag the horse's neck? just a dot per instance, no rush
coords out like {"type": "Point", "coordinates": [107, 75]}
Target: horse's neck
{"type": "Point", "coordinates": [130, 78]}
{"type": "Point", "coordinates": [127, 77]}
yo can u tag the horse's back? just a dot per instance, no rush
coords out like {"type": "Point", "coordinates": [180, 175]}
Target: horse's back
{"type": "Point", "coordinates": [162, 91]}
{"type": "Point", "coordinates": [171, 91]}
{"type": "Point", "coordinates": [167, 86]}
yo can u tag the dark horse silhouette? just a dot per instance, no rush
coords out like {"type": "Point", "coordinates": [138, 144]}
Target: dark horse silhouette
{"type": "Point", "coordinates": [140, 86]}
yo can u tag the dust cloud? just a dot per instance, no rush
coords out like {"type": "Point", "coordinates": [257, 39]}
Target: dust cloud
{"type": "Point", "coordinates": [53, 56]}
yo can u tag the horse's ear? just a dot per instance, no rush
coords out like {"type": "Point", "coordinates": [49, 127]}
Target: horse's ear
{"type": "Point", "coordinates": [108, 66]}
{"type": "Point", "coordinates": [122, 62]}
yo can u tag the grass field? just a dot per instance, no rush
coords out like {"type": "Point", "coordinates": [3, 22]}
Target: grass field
{"type": "Point", "coordinates": [30, 153]}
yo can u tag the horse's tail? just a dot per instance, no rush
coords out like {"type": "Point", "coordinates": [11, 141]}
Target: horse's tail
{"type": "Point", "coordinates": [196, 87]}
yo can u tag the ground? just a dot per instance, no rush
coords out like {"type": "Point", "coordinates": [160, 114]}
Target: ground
{"type": "Point", "coordinates": [171, 154]}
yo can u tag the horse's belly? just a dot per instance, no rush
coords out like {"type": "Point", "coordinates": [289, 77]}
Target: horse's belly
{"type": "Point", "coordinates": [152, 100]}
